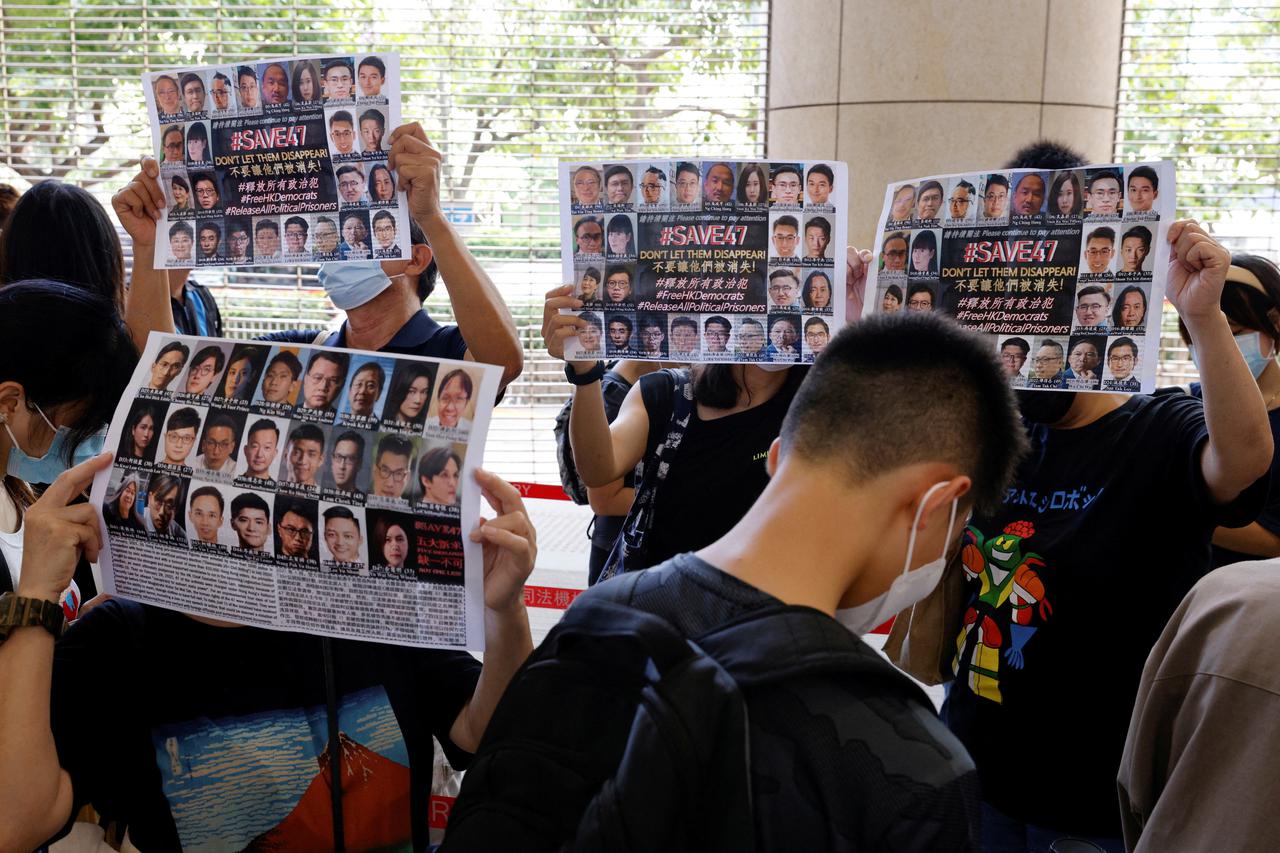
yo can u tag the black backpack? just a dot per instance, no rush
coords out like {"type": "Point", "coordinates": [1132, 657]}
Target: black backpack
{"type": "Point", "coordinates": [614, 388]}
{"type": "Point", "coordinates": [619, 734]}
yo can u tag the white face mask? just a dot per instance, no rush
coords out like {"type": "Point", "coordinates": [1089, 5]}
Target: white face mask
{"type": "Point", "coordinates": [908, 587]}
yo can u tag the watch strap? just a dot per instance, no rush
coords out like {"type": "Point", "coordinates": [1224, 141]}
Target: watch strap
{"type": "Point", "coordinates": [19, 612]}
{"type": "Point", "coordinates": [595, 374]}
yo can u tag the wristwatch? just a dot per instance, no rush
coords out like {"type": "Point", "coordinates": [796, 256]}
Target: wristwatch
{"type": "Point", "coordinates": [592, 375]}
{"type": "Point", "coordinates": [19, 612]}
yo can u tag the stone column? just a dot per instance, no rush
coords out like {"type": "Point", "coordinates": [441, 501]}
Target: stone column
{"type": "Point", "coordinates": [915, 87]}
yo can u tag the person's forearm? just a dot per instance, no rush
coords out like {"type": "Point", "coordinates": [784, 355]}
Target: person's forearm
{"type": "Point", "coordinates": [1252, 539]}
{"type": "Point", "coordinates": [507, 644]}
{"type": "Point", "coordinates": [612, 499]}
{"type": "Point", "coordinates": [1240, 446]}
{"type": "Point", "coordinates": [35, 794]}
{"type": "Point", "coordinates": [482, 315]}
{"type": "Point", "coordinates": [589, 434]}
{"type": "Point", "coordinates": [147, 308]}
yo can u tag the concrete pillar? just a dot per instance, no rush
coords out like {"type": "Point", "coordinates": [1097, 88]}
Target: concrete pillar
{"type": "Point", "coordinates": [903, 88]}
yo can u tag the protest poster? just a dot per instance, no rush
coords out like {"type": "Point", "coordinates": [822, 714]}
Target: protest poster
{"type": "Point", "coordinates": [278, 161]}
{"type": "Point", "coordinates": [301, 488]}
{"type": "Point", "coordinates": [1066, 269]}
{"type": "Point", "coordinates": [704, 260]}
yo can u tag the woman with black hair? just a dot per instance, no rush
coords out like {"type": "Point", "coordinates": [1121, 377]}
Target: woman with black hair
{"type": "Point", "coordinates": [138, 440]}
{"type": "Point", "coordinates": [197, 144]}
{"type": "Point", "coordinates": [409, 395]}
{"type": "Point", "coordinates": [924, 254]}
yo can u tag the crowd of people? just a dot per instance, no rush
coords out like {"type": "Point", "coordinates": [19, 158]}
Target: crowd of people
{"type": "Point", "coordinates": [712, 688]}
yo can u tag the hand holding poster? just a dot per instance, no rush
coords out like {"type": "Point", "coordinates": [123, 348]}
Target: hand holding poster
{"type": "Point", "coordinates": [704, 260]}
{"type": "Point", "coordinates": [301, 488]}
{"type": "Point", "coordinates": [1066, 269]}
{"type": "Point", "coordinates": [280, 161]}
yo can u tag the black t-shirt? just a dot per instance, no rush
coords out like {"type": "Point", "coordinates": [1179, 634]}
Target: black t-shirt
{"type": "Point", "coordinates": [1104, 531]}
{"type": "Point", "coordinates": [718, 470]}
{"type": "Point", "coordinates": [195, 735]}
{"type": "Point", "coordinates": [837, 764]}
{"type": "Point", "coordinates": [421, 335]}
{"type": "Point", "coordinates": [1269, 518]}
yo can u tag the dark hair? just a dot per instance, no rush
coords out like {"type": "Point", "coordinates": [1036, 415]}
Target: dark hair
{"type": "Point", "coordinates": [787, 220]}
{"type": "Point", "coordinates": [783, 168]}
{"type": "Point", "coordinates": [140, 409]}
{"type": "Point", "coordinates": [894, 291]}
{"type": "Point", "coordinates": [1148, 173]}
{"type": "Point", "coordinates": [237, 224]}
{"type": "Point", "coordinates": [1133, 288]}
{"type": "Point", "coordinates": [1046, 154]}
{"type": "Point", "coordinates": [309, 67]}
{"type": "Point", "coordinates": [1102, 175]}
{"type": "Point", "coordinates": [161, 484]}
{"type": "Point", "coordinates": [8, 198]}
{"type": "Point", "coordinates": [610, 271]}
{"type": "Point", "coordinates": [374, 62]}
{"type": "Point", "coordinates": [618, 170]}
{"type": "Point", "coordinates": [350, 435]}
{"type": "Point", "coordinates": [383, 214]}
{"type": "Point", "coordinates": [380, 526]}
{"type": "Point", "coordinates": [585, 220]}
{"type": "Point", "coordinates": [966, 186]}
{"type": "Point", "coordinates": [718, 320]}
{"type": "Point", "coordinates": [341, 359]}
{"type": "Point", "coordinates": [997, 180]}
{"type": "Point", "coordinates": [297, 220]}
{"type": "Point", "coordinates": [1142, 232]}
{"type": "Point", "coordinates": [180, 228]}
{"type": "Point", "coordinates": [785, 272]}
{"type": "Point", "coordinates": [926, 240]}
{"type": "Point", "coordinates": [894, 235]}
{"type": "Point", "coordinates": [1067, 178]}
{"type": "Point", "coordinates": [1244, 304]}
{"type": "Point", "coordinates": [341, 512]}
{"type": "Point", "coordinates": [621, 224]}
{"type": "Point", "coordinates": [459, 374]}
{"type": "Point", "coordinates": [435, 460]}
{"type": "Point", "coordinates": [266, 225]}
{"type": "Point", "coordinates": [263, 424]}
{"type": "Point", "coordinates": [343, 116]}
{"type": "Point", "coordinates": [687, 322]}
{"type": "Point", "coordinates": [395, 444]}
{"type": "Point", "coordinates": [376, 115]}
{"type": "Point", "coordinates": [243, 71]}
{"type": "Point", "coordinates": [654, 170]}
{"type": "Point", "coordinates": [816, 321]}
{"type": "Point", "coordinates": [205, 353]}
{"type": "Point", "coordinates": [1020, 343]}
{"type": "Point", "coordinates": [304, 509]}
{"type": "Point", "coordinates": [909, 374]}
{"type": "Point", "coordinates": [1090, 290]}
{"type": "Point", "coordinates": [591, 317]}
{"type": "Point", "coordinates": [209, 492]}
{"type": "Point", "coordinates": [289, 360]}
{"type": "Point", "coordinates": [716, 385]}
{"type": "Point", "coordinates": [821, 223]}
{"type": "Point", "coordinates": [224, 78]}
{"type": "Point", "coordinates": [180, 181]}
{"type": "Point", "coordinates": [686, 166]}
{"type": "Point", "coordinates": [401, 380]}
{"type": "Point", "coordinates": [922, 287]}
{"type": "Point", "coordinates": [184, 418]}
{"type": "Point", "coordinates": [928, 185]}
{"type": "Point", "coordinates": [824, 170]}
{"type": "Point", "coordinates": [307, 432]}
{"type": "Point", "coordinates": [220, 419]}
{"type": "Point", "coordinates": [754, 169]}
{"type": "Point", "coordinates": [1122, 342]}
{"type": "Point", "coordinates": [173, 346]}
{"type": "Point", "coordinates": [373, 174]}
{"type": "Point", "coordinates": [61, 233]}
{"type": "Point", "coordinates": [208, 226]}
{"type": "Point", "coordinates": [338, 62]}
{"type": "Point", "coordinates": [806, 292]}
{"type": "Point", "coordinates": [1104, 233]}
{"type": "Point", "coordinates": [196, 130]}
{"type": "Point", "coordinates": [256, 354]}
{"type": "Point", "coordinates": [249, 500]}
{"type": "Point", "coordinates": [592, 272]}
{"type": "Point", "coordinates": [621, 318]}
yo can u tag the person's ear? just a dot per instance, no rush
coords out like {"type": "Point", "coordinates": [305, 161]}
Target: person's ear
{"type": "Point", "coordinates": [771, 461]}
{"type": "Point", "coordinates": [11, 397]}
{"type": "Point", "coordinates": [955, 489]}
{"type": "Point", "coordinates": [419, 259]}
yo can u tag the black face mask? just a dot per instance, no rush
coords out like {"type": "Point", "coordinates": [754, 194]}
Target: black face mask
{"type": "Point", "coordinates": [1045, 407]}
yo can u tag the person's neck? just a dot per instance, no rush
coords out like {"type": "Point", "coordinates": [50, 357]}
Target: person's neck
{"type": "Point", "coordinates": [371, 326]}
{"type": "Point", "coordinates": [1088, 408]}
{"type": "Point", "coordinates": [797, 546]}
{"type": "Point", "coordinates": [177, 284]}
{"type": "Point", "coordinates": [755, 387]}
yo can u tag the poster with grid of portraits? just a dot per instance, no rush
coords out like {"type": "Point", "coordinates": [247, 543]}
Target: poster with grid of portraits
{"type": "Point", "coordinates": [704, 260]}
{"type": "Point", "coordinates": [301, 488]}
{"type": "Point", "coordinates": [1065, 269]}
{"type": "Point", "coordinates": [278, 161]}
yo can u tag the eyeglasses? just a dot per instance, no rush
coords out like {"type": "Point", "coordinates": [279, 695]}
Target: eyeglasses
{"type": "Point", "coordinates": [996, 196]}
{"type": "Point", "coordinates": [342, 134]}
{"type": "Point", "coordinates": [395, 475]}
{"type": "Point", "coordinates": [179, 438]}
{"type": "Point", "coordinates": [218, 445]}
{"type": "Point", "coordinates": [169, 505]}
{"type": "Point", "coordinates": [1042, 360]}
{"type": "Point", "coordinates": [1099, 253]}
{"type": "Point", "coordinates": [1121, 359]}
{"type": "Point", "coordinates": [384, 230]}
{"type": "Point", "coordinates": [457, 399]}
{"type": "Point", "coordinates": [919, 303]}
{"type": "Point", "coordinates": [324, 381]}
{"type": "Point", "coordinates": [206, 192]}
{"type": "Point", "coordinates": [895, 253]}
{"type": "Point", "coordinates": [303, 533]}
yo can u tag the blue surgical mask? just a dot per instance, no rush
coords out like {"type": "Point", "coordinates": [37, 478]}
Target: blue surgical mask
{"type": "Point", "coordinates": [46, 469]}
{"type": "Point", "coordinates": [1250, 345]}
{"type": "Point", "coordinates": [353, 283]}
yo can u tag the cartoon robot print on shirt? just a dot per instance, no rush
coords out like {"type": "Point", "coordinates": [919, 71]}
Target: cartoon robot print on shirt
{"type": "Point", "coordinates": [1009, 599]}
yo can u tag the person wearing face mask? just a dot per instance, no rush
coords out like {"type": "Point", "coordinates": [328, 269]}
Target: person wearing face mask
{"type": "Point", "coordinates": [735, 411]}
{"type": "Point", "coordinates": [853, 525]}
{"type": "Point", "coordinates": [54, 409]}
{"type": "Point", "coordinates": [1071, 579]}
{"type": "Point", "coordinates": [1251, 301]}
{"type": "Point", "coordinates": [382, 301]}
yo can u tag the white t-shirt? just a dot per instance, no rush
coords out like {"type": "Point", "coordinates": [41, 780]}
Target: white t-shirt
{"type": "Point", "coordinates": [11, 548]}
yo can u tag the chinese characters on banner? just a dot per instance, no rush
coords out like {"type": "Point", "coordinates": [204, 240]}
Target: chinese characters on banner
{"type": "Point", "coordinates": [704, 260]}
{"type": "Point", "coordinates": [279, 161]}
{"type": "Point", "coordinates": [300, 488]}
{"type": "Point", "coordinates": [1065, 269]}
